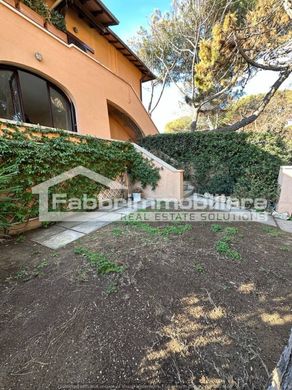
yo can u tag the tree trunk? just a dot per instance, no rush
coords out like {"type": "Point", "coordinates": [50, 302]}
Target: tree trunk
{"type": "Point", "coordinates": [194, 123]}
{"type": "Point", "coordinates": [282, 374]}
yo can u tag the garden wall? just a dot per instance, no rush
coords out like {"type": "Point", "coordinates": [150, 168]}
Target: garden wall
{"type": "Point", "coordinates": [30, 156]}
{"type": "Point", "coordinates": [234, 163]}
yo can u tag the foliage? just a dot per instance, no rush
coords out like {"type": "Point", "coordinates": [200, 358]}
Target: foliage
{"type": "Point", "coordinates": [170, 46]}
{"type": "Point", "coordinates": [40, 7]}
{"type": "Point", "coordinates": [244, 164]}
{"type": "Point", "coordinates": [199, 268]}
{"type": "Point", "coordinates": [223, 245]}
{"type": "Point", "coordinates": [216, 228]}
{"type": "Point", "coordinates": [40, 154]}
{"type": "Point", "coordinates": [54, 17]}
{"type": "Point", "coordinates": [210, 49]}
{"type": "Point", "coordinates": [238, 48]}
{"type": "Point", "coordinates": [99, 261]}
{"type": "Point", "coordinates": [180, 124]}
{"type": "Point", "coordinates": [58, 20]}
{"type": "Point", "coordinates": [7, 191]}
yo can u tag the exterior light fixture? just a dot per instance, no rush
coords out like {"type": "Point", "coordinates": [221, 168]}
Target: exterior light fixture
{"type": "Point", "coordinates": [38, 56]}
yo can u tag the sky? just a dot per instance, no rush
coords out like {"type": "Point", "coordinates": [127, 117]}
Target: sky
{"type": "Point", "coordinates": [135, 13]}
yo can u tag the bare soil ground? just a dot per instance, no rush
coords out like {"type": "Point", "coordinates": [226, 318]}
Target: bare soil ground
{"type": "Point", "coordinates": [180, 314]}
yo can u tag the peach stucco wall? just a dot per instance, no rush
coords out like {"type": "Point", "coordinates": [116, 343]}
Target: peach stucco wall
{"type": "Point", "coordinates": [89, 84]}
{"type": "Point", "coordinates": [104, 52]}
{"type": "Point", "coordinates": [171, 183]}
{"type": "Point", "coordinates": [285, 184]}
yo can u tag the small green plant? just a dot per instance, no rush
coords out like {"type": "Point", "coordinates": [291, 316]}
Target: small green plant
{"type": "Point", "coordinates": [38, 270]}
{"type": "Point", "coordinates": [199, 268]}
{"type": "Point", "coordinates": [284, 248]}
{"type": "Point", "coordinates": [231, 231]}
{"type": "Point", "coordinates": [23, 274]}
{"type": "Point", "coordinates": [117, 232]}
{"type": "Point", "coordinates": [112, 288]}
{"type": "Point", "coordinates": [216, 228]}
{"type": "Point", "coordinates": [20, 238]}
{"type": "Point", "coordinates": [233, 254]}
{"type": "Point", "coordinates": [223, 245]}
{"type": "Point", "coordinates": [224, 248]}
{"type": "Point", "coordinates": [176, 229]}
{"type": "Point", "coordinates": [272, 231]}
{"type": "Point", "coordinates": [99, 262]}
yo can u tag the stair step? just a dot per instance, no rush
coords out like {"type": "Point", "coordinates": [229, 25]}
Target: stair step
{"type": "Point", "coordinates": [188, 193]}
{"type": "Point", "coordinates": [188, 186]}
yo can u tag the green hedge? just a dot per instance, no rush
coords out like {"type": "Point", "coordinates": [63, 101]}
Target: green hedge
{"type": "Point", "coordinates": [241, 164]}
{"type": "Point", "coordinates": [36, 156]}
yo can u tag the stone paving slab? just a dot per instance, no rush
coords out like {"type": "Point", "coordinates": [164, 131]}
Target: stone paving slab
{"type": "Point", "coordinates": [286, 226]}
{"type": "Point", "coordinates": [90, 226]}
{"type": "Point", "coordinates": [44, 234]}
{"type": "Point", "coordinates": [59, 240]}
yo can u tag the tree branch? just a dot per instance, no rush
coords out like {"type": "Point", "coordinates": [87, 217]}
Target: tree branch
{"type": "Point", "coordinates": [250, 119]}
{"type": "Point", "coordinates": [251, 62]}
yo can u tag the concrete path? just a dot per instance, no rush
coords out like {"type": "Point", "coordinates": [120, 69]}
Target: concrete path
{"type": "Point", "coordinates": [67, 231]}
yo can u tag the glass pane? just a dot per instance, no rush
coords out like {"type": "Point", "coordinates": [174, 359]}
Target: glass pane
{"type": "Point", "coordinates": [35, 98]}
{"type": "Point", "coordinates": [61, 110]}
{"type": "Point", "coordinates": [9, 100]}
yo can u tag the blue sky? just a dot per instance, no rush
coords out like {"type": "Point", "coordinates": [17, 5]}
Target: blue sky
{"type": "Point", "coordinates": [133, 13]}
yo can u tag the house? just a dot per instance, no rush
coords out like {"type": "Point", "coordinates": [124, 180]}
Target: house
{"type": "Point", "coordinates": [83, 79]}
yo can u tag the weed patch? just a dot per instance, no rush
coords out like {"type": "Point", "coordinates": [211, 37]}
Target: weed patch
{"type": "Point", "coordinates": [112, 288]}
{"type": "Point", "coordinates": [117, 232]}
{"type": "Point", "coordinates": [272, 231]}
{"type": "Point", "coordinates": [216, 228]}
{"type": "Point", "coordinates": [199, 268]}
{"type": "Point", "coordinates": [284, 248]}
{"type": "Point", "coordinates": [24, 274]}
{"type": "Point", "coordinates": [223, 245]}
{"type": "Point", "coordinates": [101, 263]}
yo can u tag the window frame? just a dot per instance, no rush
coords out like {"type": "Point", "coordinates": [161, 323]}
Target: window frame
{"type": "Point", "coordinates": [49, 85]}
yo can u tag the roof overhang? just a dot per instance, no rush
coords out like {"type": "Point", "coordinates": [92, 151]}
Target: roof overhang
{"type": "Point", "coordinates": [98, 16]}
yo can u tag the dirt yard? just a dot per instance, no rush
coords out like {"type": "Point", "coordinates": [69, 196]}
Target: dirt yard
{"type": "Point", "coordinates": [197, 306]}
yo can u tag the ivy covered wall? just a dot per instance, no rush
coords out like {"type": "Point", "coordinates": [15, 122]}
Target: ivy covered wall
{"type": "Point", "coordinates": [232, 163]}
{"type": "Point", "coordinates": [34, 155]}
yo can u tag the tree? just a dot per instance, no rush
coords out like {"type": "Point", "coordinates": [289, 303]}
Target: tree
{"type": "Point", "coordinates": [275, 118]}
{"type": "Point", "coordinates": [210, 48]}
{"type": "Point", "coordinates": [178, 125]}
{"type": "Point", "coordinates": [262, 42]}
{"type": "Point", "coordinates": [171, 46]}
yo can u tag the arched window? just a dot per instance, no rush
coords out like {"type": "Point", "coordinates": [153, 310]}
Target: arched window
{"type": "Point", "coordinates": [28, 98]}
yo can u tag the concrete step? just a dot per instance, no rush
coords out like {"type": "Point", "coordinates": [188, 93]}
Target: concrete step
{"type": "Point", "coordinates": [188, 185]}
{"type": "Point", "coordinates": [188, 189]}
{"type": "Point", "coordinates": [188, 193]}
